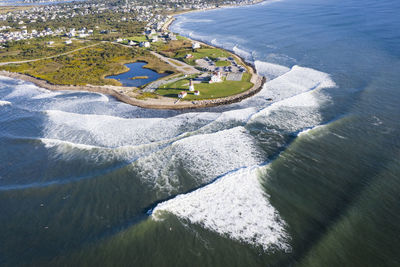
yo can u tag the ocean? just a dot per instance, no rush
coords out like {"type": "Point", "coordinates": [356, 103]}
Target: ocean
{"type": "Point", "coordinates": [311, 178]}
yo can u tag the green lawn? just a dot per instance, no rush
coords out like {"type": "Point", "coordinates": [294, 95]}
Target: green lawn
{"type": "Point", "coordinates": [138, 38]}
{"type": "Point", "coordinates": [222, 63]}
{"type": "Point", "coordinates": [207, 91]}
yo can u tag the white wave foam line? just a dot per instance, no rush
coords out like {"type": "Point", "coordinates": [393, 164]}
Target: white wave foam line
{"type": "Point", "coordinates": [270, 70]}
{"type": "Point", "coordinates": [23, 89]}
{"type": "Point", "coordinates": [243, 53]}
{"type": "Point", "coordinates": [298, 80]}
{"type": "Point", "coordinates": [50, 143]}
{"type": "Point", "coordinates": [234, 206]}
{"type": "Point", "coordinates": [110, 131]}
{"type": "Point", "coordinates": [292, 114]}
{"type": "Point", "coordinates": [309, 130]}
{"type": "Point", "coordinates": [4, 103]}
{"type": "Point", "coordinates": [203, 157]}
{"type": "Point", "coordinates": [47, 94]}
{"type": "Point", "coordinates": [68, 150]}
{"type": "Point", "coordinates": [268, 2]}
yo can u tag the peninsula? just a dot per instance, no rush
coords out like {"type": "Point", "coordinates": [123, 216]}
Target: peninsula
{"type": "Point", "coordinates": [188, 73]}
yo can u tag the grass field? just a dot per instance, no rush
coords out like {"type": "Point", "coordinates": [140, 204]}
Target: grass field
{"type": "Point", "coordinates": [38, 48]}
{"type": "Point", "coordinates": [212, 53]}
{"type": "Point", "coordinates": [222, 63]}
{"type": "Point", "coordinates": [138, 38]}
{"type": "Point", "coordinates": [88, 66]}
{"type": "Point", "coordinates": [207, 91]}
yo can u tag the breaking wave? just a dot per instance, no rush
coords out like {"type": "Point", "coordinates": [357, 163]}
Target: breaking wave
{"type": "Point", "coordinates": [4, 103]}
{"type": "Point", "coordinates": [234, 206]}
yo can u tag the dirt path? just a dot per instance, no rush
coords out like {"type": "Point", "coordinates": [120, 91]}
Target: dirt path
{"type": "Point", "coordinates": [37, 59]}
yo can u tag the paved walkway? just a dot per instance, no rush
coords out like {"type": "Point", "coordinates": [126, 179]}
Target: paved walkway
{"type": "Point", "coordinates": [156, 84]}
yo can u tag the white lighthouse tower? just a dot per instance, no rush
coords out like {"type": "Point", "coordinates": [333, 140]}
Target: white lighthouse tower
{"type": "Point", "coordinates": [191, 85]}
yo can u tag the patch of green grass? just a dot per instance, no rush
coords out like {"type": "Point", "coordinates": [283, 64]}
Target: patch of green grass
{"type": "Point", "coordinates": [207, 91]}
{"type": "Point", "coordinates": [222, 63]}
{"type": "Point", "coordinates": [138, 38]}
{"type": "Point", "coordinates": [38, 48]}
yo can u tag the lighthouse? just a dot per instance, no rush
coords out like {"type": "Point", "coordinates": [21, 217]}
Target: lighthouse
{"type": "Point", "coordinates": [191, 85]}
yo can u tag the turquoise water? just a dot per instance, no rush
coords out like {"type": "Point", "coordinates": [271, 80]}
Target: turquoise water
{"type": "Point", "coordinates": [136, 69]}
{"type": "Point", "coordinates": [309, 179]}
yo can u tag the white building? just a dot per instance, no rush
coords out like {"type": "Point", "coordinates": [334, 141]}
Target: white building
{"type": "Point", "coordinates": [196, 92]}
{"type": "Point", "coordinates": [191, 85]}
{"type": "Point", "coordinates": [216, 77]}
{"type": "Point", "coordinates": [182, 94]}
{"type": "Point", "coordinates": [196, 45]}
{"type": "Point", "coordinates": [144, 44]}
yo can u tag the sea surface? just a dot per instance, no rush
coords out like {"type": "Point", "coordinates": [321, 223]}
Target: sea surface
{"type": "Point", "coordinates": [311, 178]}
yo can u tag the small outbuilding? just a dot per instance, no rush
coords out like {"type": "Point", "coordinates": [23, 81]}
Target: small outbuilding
{"type": "Point", "coordinates": [182, 94]}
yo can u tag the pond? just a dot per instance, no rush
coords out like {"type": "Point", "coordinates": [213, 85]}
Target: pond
{"type": "Point", "coordinates": [136, 70]}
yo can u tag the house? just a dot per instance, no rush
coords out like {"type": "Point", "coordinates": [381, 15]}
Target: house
{"type": "Point", "coordinates": [144, 44]}
{"type": "Point", "coordinates": [189, 56]}
{"type": "Point", "coordinates": [50, 42]}
{"type": "Point", "coordinates": [68, 42]}
{"type": "Point", "coordinates": [154, 39]}
{"type": "Point", "coordinates": [119, 40]}
{"type": "Point", "coordinates": [191, 85]}
{"type": "Point", "coordinates": [182, 94]}
{"type": "Point", "coordinates": [196, 45]}
{"type": "Point", "coordinates": [131, 43]}
{"type": "Point", "coordinates": [216, 77]}
{"type": "Point", "coordinates": [196, 92]}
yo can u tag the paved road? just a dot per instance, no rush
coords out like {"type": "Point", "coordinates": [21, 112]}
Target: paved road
{"type": "Point", "coordinates": [156, 84]}
{"type": "Point", "coordinates": [37, 59]}
{"type": "Point", "coordinates": [179, 65]}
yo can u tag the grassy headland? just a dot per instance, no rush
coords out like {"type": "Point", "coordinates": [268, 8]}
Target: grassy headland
{"type": "Point", "coordinates": [208, 90]}
{"type": "Point", "coordinates": [88, 66]}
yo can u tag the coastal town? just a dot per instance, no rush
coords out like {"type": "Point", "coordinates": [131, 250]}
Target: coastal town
{"type": "Point", "coordinates": [128, 32]}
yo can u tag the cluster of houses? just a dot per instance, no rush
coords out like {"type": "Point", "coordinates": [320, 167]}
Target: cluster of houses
{"type": "Point", "coordinates": [152, 37]}
{"type": "Point", "coordinates": [23, 34]}
{"type": "Point", "coordinates": [152, 13]}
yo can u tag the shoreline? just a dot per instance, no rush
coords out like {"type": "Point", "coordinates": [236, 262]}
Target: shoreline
{"type": "Point", "coordinates": [121, 92]}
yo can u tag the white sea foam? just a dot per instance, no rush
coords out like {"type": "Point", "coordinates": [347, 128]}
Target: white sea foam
{"type": "Point", "coordinates": [111, 131]}
{"type": "Point", "coordinates": [47, 94]}
{"type": "Point", "coordinates": [23, 90]}
{"type": "Point", "coordinates": [292, 114]}
{"type": "Point", "coordinates": [4, 103]}
{"type": "Point", "coordinates": [243, 53]}
{"type": "Point", "coordinates": [50, 143]}
{"type": "Point", "coordinates": [269, 70]}
{"type": "Point", "coordinates": [297, 80]}
{"type": "Point", "coordinates": [234, 206]}
{"type": "Point", "coordinates": [203, 156]}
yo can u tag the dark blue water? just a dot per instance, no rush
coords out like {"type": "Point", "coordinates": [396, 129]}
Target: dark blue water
{"type": "Point", "coordinates": [309, 179]}
{"type": "Point", "coordinates": [136, 69]}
